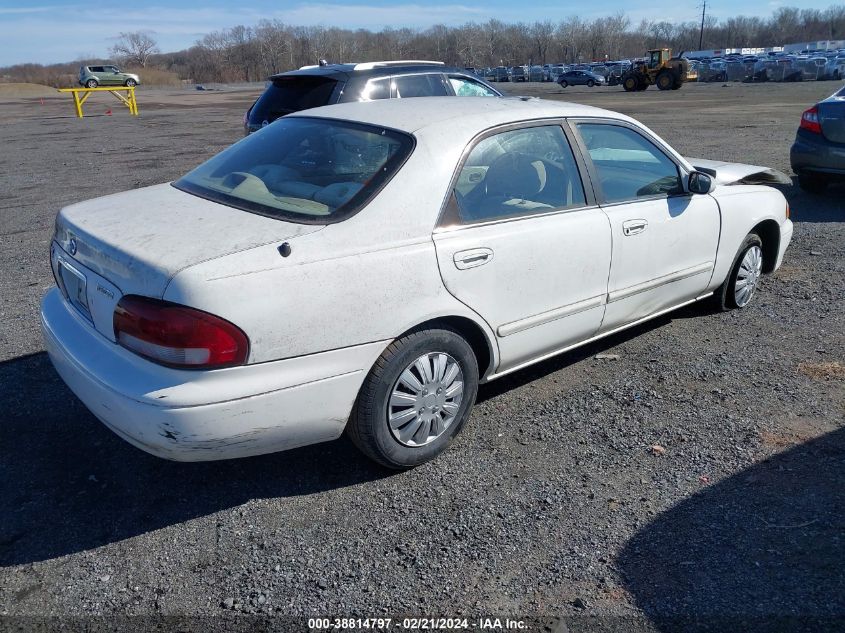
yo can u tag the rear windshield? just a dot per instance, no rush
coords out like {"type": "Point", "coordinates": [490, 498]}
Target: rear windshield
{"type": "Point", "coordinates": [291, 94]}
{"type": "Point", "coordinates": [314, 171]}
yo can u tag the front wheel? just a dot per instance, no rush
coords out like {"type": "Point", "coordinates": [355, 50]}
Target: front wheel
{"type": "Point", "coordinates": [591, 83]}
{"type": "Point", "coordinates": [131, 83]}
{"type": "Point", "coordinates": [665, 80]}
{"type": "Point", "coordinates": [738, 289]}
{"type": "Point", "coordinates": [563, 84]}
{"type": "Point", "coordinates": [416, 398]}
{"type": "Point", "coordinates": [630, 84]}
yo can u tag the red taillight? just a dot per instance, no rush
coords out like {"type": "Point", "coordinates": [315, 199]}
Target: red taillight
{"type": "Point", "coordinates": [178, 336]}
{"type": "Point", "coordinates": [810, 121]}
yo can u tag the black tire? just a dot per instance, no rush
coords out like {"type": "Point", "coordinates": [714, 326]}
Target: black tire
{"type": "Point", "coordinates": [665, 80]}
{"type": "Point", "coordinates": [563, 83]}
{"type": "Point", "coordinates": [590, 83]}
{"type": "Point", "coordinates": [92, 83]}
{"type": "Point", "coordinates": [812, 183]}
{"type": "Point", "coordinates": [724, 297]}
{"type": "Point", "coordinates": [368, 426]}
{"type": "Point", "coordinates": [677, 85]}
{"type": "Point", "coordinates": [130, 83]}
{"type": "Point", "coordinates": [630, 83]}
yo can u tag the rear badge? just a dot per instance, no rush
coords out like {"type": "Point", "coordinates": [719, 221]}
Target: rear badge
{"type": "Point", "coordinates": [71, 247]}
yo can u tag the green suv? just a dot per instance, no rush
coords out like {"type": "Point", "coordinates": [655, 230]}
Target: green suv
{"type": "Point", "coordinates": [94, 76]}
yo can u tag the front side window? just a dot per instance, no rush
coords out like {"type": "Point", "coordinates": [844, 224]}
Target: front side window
{"type": "Point", "coordinates": [627, 164]}
{"type": "Point", "coordinates": [302, 169]}
{"type": "Point", "coordinates": [518, 172]}
{"type": "Point", "coordinates": [422, 85]}
{"type": "Point", "coordinates": [465, 87]}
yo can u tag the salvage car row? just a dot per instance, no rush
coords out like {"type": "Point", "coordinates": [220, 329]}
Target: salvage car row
{"type": "Point", "coordinates": [829, 65]}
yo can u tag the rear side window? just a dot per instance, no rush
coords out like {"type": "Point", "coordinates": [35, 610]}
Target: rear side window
{"type": "Point", "coordinates": [376, 89]}
{"type": "Point", "coordinates": [423, 85]}
{"type": "Point", "coordinates": [302, 169]}
{"type": "Point", "coordinates": [628, 165]}
{"type": "Point", "coordinates": [291, 94]}
{"type": "Point", "coordinates": [518, 172]}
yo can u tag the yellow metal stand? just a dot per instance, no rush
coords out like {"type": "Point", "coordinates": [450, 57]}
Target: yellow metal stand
{"type": "Point", "coordinates": [80, 96]}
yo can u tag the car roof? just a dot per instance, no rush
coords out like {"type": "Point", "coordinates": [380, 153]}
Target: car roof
{"type": "Point", "coordinates": [338, 71]}
{"type": "Point", "coordinates": [460, 114]}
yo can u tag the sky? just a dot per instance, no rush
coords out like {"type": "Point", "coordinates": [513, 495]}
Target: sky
{"type": "Point", "coordinates": [65, 30]}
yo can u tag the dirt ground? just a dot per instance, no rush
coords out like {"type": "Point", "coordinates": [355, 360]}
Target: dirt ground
{"type": "Point", "coordinates": [553, 505]}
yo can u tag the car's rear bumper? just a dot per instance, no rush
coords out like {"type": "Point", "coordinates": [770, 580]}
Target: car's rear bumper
{"type": "Point", "coordinates": [813, 153]}
{"type": "Point", "coordinates": [188, 415]}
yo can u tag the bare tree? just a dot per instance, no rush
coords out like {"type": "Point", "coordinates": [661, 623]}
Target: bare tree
{"type": "Point", "coordinates": [542, 33]}
{"type": "Point", "coordinates": [250, 53]}
{"type": "Point", "coordinates": [135, 48]}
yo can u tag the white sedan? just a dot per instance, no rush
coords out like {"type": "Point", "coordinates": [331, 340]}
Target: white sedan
{"type": "Point", "coordinates": [363, 267]}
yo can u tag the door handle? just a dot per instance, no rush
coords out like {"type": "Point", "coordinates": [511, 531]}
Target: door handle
{"type": "Point", "coordinates": [632, 227]}
{"type": "Point", "coordinates": [472, 258]}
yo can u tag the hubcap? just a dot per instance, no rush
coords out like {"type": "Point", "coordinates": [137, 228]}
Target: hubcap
{"type": "Point", "coordinates": [748, 275]}
{"type": "Point", "coordinates": [425, 399]}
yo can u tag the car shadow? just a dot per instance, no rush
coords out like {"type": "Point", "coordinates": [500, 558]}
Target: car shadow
{"type": "Point", "coordinates": [68, 484]}
{"type": "Point", "coordinates": [760, 551]}
{"type": "Point", "coordinates": [827, 206]}
{"type": "Point", "coordinates": [561, 361]}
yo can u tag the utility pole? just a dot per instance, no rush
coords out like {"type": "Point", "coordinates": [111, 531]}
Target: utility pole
{"type": "Point", "coordinates": [701, 34]}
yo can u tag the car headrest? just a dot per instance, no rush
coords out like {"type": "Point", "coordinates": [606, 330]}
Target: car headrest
{"type": "Point", "coordinates": [516, 175]}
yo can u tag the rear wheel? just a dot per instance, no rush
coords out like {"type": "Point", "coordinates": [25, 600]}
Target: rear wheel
{"type": "Point", "coordinates": [665, 80]}
{"type": "Point", "coordinates": [415, 399]}
{"type": "Point", "coordinates": [91, 83]}
{"type": "Point", "coordinates": [738, 289]}
{"type": "Point", "coordinates": [812, 183]}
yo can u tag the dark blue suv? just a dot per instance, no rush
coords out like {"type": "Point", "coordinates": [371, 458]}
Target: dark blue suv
{"type": "Point", "coordinates": [325, 84]}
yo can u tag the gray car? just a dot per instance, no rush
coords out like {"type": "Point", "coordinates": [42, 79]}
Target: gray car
{"type": "Point", "coordinates": [818, 154]}
{"type": "Point", "coordinates": [95, 76]}
{"type": "Point", "coordinates": [581, 78]}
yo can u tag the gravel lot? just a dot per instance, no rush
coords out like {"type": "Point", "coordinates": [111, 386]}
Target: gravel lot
{"type": "Point", "coordinates": [694, 480]}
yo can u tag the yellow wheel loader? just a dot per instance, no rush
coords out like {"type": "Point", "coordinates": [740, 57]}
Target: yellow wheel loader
{"type": "Point", "coordinates": [660, 69]}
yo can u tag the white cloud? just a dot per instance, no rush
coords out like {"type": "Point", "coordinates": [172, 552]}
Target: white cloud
{"type": "Point", "coordinates": [367, 16]}
{"type": "Point", "coordinates": [23, 10]}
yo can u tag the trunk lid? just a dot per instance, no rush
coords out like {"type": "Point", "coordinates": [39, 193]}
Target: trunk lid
{"type": "Point", "coordinates": [138, 240]}
{"type": "Point", "coordinates": [832, 119]}
{"type": "Point", "coordinates": [739, 174]}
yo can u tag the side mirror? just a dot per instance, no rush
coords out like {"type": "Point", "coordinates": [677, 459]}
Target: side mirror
{"type": "Point", "coordinates": [700, 183]}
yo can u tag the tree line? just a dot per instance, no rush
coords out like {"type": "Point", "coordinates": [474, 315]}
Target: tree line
{"type": "Point", "coordinates": [252, 53]}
